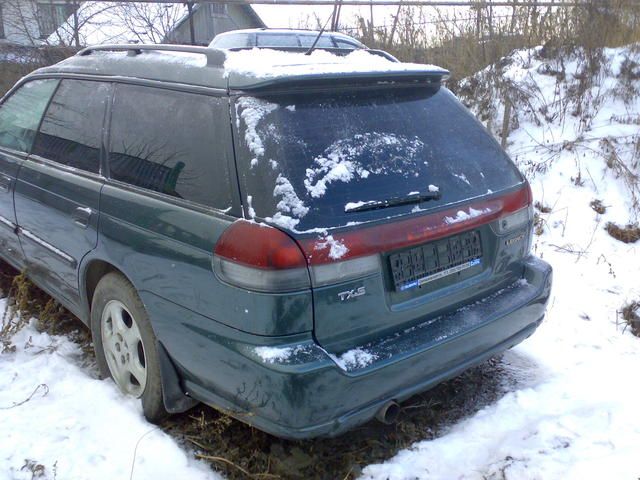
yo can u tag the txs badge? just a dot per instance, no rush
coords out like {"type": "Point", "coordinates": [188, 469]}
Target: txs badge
{"type": "Point", "coordinates": [349, 294]}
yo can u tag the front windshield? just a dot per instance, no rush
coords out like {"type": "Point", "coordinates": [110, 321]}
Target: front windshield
{"type": "Point", "coordinates": [306, 160]}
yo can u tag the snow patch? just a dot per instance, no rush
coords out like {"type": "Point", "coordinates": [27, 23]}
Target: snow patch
{"type": "Point", "coordinates": [354, 359]}
{"type": "Point", "coordinates": [70, 426]}
{"type": "Point", "coordinates": [277, 354]}
{"type": "Point", "coordinates": [462, 216]}
{"type": "Point", "coordinates": [387, 152]}
{"type": "Point", "coordinates": [290, 202]}
{"type": "Point", "coordinates": [462, 177]}
{"type": "Point", "coordinates": [337, 249]}
{"type": "Point", "coordinates": [250, 210]}
{"type": "Point", "coordinates": [253, 111]}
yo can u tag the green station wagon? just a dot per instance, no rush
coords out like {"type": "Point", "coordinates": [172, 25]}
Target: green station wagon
{"type": "Point", "coordinates": [301, 247]}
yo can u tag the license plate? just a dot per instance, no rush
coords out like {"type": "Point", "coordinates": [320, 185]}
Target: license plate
{"type": "Point", "coordinates": [433, 261]}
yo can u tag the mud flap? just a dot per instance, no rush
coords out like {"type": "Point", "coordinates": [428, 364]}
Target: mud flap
{"type": "Point", "coordinates": [173, 397]}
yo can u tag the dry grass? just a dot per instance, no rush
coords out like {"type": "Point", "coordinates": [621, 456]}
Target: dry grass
{"type": "Point", "coordinates": [627, 234]}
{"type": "Point", "coordinates": [542, 208]}
{"type": "Point", "coordinates": [242, 452]}
{"type": "Point", "coordinates": [26, 301]}
{"type": "Point", "coordinates": [630, 315]}
{"type": "Point", "coordinates": [468, 42]}
{"type": "Point", "coordinates": [597, 206]}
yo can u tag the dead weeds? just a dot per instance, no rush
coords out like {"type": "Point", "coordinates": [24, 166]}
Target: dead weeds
{"type": "Point", "coordinates": [631, 317]}
{"type": "Point", "coordinates": [26, 301]}
{"type": "Point", "coordinates": [597, 206]}
{"type": "Point", "coordinates": [242, 452]}
{"type": "Point", "coordinates": [627, 234]}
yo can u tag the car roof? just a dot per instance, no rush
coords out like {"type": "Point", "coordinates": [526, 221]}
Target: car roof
{"type": "Point", "coordinates": [252, 69]}
{"type": "Point", "coordinates": [247, 38]}
{"type": "Point", "coordinates": [283, 31]}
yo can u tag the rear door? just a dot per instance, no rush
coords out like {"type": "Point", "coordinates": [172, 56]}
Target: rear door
{"type": "Point", "coordinates": [20, 115]}
{"type": "Point", "coordinates": [58, 187]}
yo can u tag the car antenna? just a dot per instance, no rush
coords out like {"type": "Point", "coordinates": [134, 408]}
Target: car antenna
{"type": "Point", "coordinates": [315, 42]}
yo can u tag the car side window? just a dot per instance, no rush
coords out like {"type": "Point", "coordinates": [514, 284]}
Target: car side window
{"type": "Point", "coordinates": [21, 113]}
{"type": "Point", "coordinates": [171, 142]}
{"type": "Point", "coordinates": [71, 131]}
{"type": "Point", "coordinates": [323, 42]}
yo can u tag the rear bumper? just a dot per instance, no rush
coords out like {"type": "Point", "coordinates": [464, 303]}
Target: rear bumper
{"type": "Point", "coordinates": [296, 390]}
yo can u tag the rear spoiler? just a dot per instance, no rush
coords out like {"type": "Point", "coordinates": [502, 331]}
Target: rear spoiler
{"type": "Point", "coordinates": [400, 77]}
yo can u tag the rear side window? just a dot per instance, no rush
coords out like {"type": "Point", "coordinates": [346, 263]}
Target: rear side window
{"type": "Point", "coordinates": [71, 131]}
{"type": "Point", "coordinates": [21, 113]}
{"type": "Point", "coordinates": [171, 142]}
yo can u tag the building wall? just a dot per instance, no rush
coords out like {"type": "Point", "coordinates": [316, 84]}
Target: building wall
{"type": "Point", "coordinates": [20, 22]}
{"type": "Point", "coordinates": [211, 19]}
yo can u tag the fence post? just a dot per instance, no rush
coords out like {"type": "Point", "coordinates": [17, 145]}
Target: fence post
{"type": "Point", "coordinates": [192, 33]}
{"type": "Point", "coordinates": [506, 119]}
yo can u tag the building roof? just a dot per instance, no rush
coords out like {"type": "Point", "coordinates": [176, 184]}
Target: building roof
{"type": "Point", "coordinates": [244, 70]}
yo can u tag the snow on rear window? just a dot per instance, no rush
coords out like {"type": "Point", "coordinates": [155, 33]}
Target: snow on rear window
{"type": "Point", "coordinates": [252, 111]}
{"type": "Point", "coordinates": [340, 162]}
{"type": "Point", "coordinates": [308, 161]}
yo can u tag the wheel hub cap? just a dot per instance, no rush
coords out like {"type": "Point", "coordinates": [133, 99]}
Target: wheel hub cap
{"type": "Point", "coordinates": [123, 348]}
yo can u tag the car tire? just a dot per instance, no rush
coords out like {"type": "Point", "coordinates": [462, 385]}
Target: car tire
{"type": "Point", "coordinates": [125, 344]}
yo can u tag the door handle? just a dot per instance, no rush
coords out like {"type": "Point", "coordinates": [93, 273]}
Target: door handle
{"type": "Point", "coordinates": [81, 216]}
{"type": "Point", "coordinates": [5, 183]}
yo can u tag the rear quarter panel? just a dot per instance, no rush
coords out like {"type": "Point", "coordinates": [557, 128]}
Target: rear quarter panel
{"type": "Point", "coordinates": [166, 249]}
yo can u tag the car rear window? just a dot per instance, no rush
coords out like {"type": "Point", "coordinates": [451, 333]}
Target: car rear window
{"type": "Point", "coordinates": [306, 160]}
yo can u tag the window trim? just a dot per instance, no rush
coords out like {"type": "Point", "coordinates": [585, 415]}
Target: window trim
{"type": "Point", "coordinates": [66, 168]}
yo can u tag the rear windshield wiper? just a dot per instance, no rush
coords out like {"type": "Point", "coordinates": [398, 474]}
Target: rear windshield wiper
{"type": "Point", "coordinates": [392, 202]}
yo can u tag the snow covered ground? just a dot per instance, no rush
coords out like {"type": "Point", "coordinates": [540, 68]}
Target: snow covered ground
{"type": "Point", "coordinates": [60, 431]}
{"type": "Point", "coordinates": [574, 412]}
{"type": "Point", "coordinates": [577, 414]}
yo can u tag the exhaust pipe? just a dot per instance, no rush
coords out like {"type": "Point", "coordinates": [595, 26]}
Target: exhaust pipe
{"type": "Point", "coordinates": [389, 412]}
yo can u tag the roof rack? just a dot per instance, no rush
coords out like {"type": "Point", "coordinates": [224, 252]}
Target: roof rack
{"type": "Point", "coordinates": [215, 57]}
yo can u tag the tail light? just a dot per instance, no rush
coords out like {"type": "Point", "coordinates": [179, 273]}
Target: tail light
{"type": "Point", "coordinates": [514, 220]}
{"type": "Point", "coordinates": [371, 241]}
{"type": "Point", "coordinates": [260, 258]}
{"type": "Point", "coordinates": [264, 259]}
